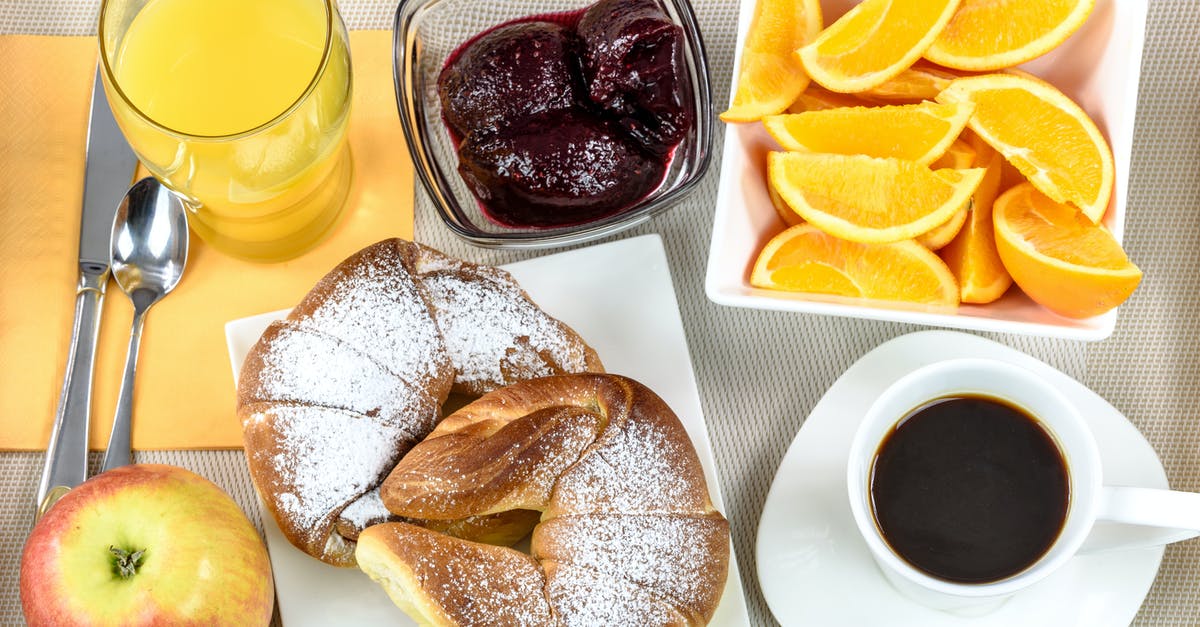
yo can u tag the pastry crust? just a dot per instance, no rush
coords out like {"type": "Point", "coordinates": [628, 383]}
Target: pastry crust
{"type": "Point", "coordinates": [333, 396]}
{"type": "Point", "coordinates": [450, 569]}
{"type": "Point", "coordinates": [628, 534]}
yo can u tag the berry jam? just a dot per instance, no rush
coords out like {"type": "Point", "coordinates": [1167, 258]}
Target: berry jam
{"type": "Point", "coordinates": [567, 118]}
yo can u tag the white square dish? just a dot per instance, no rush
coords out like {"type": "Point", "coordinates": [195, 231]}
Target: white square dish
{"type": "Point", "coordinates": [640, 336]}
{"type": "Point", "coordinates": [1099, 67]}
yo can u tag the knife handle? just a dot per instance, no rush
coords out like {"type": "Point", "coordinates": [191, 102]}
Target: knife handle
{"type": "Point", "coordinates": [67, 454]}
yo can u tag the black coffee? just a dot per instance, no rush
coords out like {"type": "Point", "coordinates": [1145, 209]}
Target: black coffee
{"type": "Point", "coordinates": [969, 489]}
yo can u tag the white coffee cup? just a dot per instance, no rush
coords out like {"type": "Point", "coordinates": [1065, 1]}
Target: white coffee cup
{"type": "Point", "coordinates": [1164, 515]}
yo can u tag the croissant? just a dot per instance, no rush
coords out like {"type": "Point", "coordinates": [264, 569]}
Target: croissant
{"type": "Point", "coordinates": [334, 395]}
{"type": "Point", "coordinates": [628, 535]}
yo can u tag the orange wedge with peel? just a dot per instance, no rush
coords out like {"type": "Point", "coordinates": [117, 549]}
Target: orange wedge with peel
{"type": "Point", "coordinates": [1059, 257]}
{"type": "Point", "coordinates": [917, 132]}
{"type": "Point", "coordinates": [972, 256]}
{"type": "Point", "coordinates": [940, 235]}
{"type": "Point", "coordinates": [994, 34]}
{"type": "Point", "coordinates": [867, 199]}
{"type": "Point", "coordinates": [1044, 134]}
{"type": "Point", "coordinates": [770, 77]}
{"type": "Point", "coordinates": [917, 83]}
{"type": "Point", "coordinates": [1010, 176]}
{"type": "Point", "coordinates": [873, 42]}
{"type": "Point", "coordinates": [806, 259]}
{"type": "Point", "coordinates": [785, 213]}
{"type": "Point", "coordinates": [817, 98]}
{"type": "Point", "coordinates": [960, 155]}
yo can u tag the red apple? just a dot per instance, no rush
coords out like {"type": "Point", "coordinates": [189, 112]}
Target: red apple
{"type": "Point", "coordinates": [146, 544]}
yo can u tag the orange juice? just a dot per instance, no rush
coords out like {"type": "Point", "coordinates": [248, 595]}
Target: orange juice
{"type": "Point", "coordinates": [241, 106]}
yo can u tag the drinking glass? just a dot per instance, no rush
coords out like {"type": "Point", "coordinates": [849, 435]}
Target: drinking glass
{"type": "Point", "coordinates": [239, 106]}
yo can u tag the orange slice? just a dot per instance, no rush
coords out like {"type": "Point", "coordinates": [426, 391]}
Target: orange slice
{"type": "Point", "coordinates": [866, 199]}
{"type": "Point", "coordinates": [959, 155]}
{"type": "Point", "coordinates": [817, 98]}
{"type": "Point", "coordinates": [785, 213]}
{"type": "Point", "coordinates": [940, 235]}
{"type": "Point", "coordinates": [993, 34]}
{"type": "Point", "coordinates": [1010, 176]}
{"type": "Point", "coordinates": [1058, 256]}
{"type": "Point", "coordinates": [972, 255]}
{"type": "Point", "coordinates": [1044, 134]}
{"type": "Point", "coordinates": [770, 77]}
{"type": "Point", "coordinates": [917, 132]}
{"type": "Point", "coordinates": [806, 259]}
{"type": "Point", "coordinates": [874, 41]}
{"type": "Point", "coordinates": [917, 83]}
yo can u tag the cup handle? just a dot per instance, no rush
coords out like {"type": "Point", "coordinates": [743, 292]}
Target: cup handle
{"type": "Point", "coordinates": [1144, 517]}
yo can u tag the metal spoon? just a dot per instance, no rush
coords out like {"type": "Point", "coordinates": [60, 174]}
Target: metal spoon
{"type": "Point", "coordinates": [149, 251]}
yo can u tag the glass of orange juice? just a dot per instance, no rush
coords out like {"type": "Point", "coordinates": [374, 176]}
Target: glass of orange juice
{"type": "Point", "coordinates": [241, 107]}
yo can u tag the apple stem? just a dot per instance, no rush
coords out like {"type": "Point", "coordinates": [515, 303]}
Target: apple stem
{"type": "Point", "coordinates": [125, 562]}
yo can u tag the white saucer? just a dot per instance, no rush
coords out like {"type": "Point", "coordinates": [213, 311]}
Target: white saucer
{"type": "Point", "coordinates": [815, 569]}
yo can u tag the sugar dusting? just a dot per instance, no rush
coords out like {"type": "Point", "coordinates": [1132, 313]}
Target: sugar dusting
{"type": "Point", "coordinates": [353, 378]}
{"type": "Point", "coordinates": [636, 468]}
{"type": "Point", "coordinates": [368, 509]}
{"type": "Point", "coordinates": [325, 459]}
{"type": "Point", "coordinates": [490, 327]}
{"type": "Point", "coordinates": [582, 597]}
{"type": "Point", "coordinates": [305, 366]}
{"type": "Point", "coordinates": [669, 554]}
{"type": "Point", "coordinates": [378, 309]}
{"type": "Point", "coordinates": [629, 534]}
{"type": "Point", "coordinates": [468, 589]}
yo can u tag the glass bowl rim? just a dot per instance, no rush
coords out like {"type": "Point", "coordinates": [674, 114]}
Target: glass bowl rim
{"type": "Point", "coordinates": [431, 177]}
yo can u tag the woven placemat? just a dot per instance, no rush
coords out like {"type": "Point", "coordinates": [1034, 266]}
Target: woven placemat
{"type": "Point", "coordinates": [760, 373]}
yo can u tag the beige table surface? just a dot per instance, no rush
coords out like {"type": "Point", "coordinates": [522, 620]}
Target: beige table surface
{"type": "Point", "coordinates": [760, 372]}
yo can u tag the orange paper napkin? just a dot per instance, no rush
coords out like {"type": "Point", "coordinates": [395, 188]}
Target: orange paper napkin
{"type": "Point", "coordinates": [185, 395]}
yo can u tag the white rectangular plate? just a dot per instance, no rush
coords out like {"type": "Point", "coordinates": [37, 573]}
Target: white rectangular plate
{"type": "Point", "coordinates": [620, 298]}
{"type": "Point", "coordinates": [1099, 67]}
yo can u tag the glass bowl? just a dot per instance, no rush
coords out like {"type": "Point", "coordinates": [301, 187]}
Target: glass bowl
{"type": "Point", "coordinates": [427, 32]}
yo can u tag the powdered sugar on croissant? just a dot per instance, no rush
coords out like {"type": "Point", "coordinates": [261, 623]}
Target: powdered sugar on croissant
{"type": "Point", "coordinates": [334, 395]}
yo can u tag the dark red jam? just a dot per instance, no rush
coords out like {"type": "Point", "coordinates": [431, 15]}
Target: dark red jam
{"type": "Point", "coordinates": [567, 118]}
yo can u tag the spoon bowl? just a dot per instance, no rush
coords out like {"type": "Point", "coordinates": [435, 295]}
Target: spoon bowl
{"type": "Point", "coordinates": [149, 252]}
{"type": "Point", "coordinates": [149, 241]}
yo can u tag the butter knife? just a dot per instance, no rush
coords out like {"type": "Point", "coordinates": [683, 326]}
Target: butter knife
{"type": "Point", "coordinates": [109, 172]}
